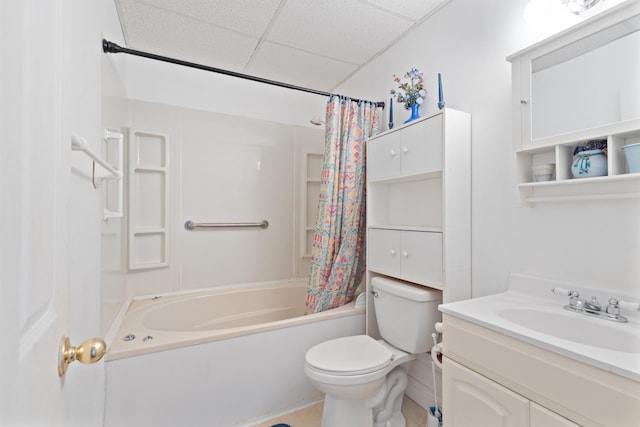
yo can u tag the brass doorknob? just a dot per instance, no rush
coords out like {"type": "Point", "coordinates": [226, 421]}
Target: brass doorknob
{"type": "Point", "coordinates": [88, 352]}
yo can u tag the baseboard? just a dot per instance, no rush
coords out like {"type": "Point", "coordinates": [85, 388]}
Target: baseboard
{"type": "Point", "coordinates": [420, 393]}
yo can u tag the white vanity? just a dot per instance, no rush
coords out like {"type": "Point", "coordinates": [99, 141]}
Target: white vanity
{"type": "Point", "coordinates": [519, 359]}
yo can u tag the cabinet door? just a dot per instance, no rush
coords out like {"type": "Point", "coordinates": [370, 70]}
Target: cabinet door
{"type": "Point", "coordinates": [383, 157]}
{"type": "Point", "coordinates": [471, 400]}
{"type": "Point", "coordinates": [421, 257]}
{"type": "Point", "coordinates": [384, 251]}
{"type": "Point", "coordinates": [542, 417]}
{"type": "Point", "coordinates": [421, 146]}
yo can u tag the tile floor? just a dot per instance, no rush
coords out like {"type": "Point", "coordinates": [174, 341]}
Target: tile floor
{"type": "Point", "coordinates": [311, 416]}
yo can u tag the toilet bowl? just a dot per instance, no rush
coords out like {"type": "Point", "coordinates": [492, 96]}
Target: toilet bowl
{"type": "Point", "coordinates": [363, 378]}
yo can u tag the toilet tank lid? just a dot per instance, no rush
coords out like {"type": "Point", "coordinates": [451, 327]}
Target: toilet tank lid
{"type": "Point", "coordinates": [406, 290]}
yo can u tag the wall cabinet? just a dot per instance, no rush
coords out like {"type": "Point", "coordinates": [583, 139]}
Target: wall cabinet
{"type": "Point", "coordinates": [576, 86]}
{"type": "Point", "coordinates": [415, 256]}
{"type": "Point", "coordinates": [419, 205]}
{"type": "Point", "coordinates": [404, 153]}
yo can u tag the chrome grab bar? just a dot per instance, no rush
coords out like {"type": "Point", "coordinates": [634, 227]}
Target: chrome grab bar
{"type": "Point", "coordinates": [190, 225]}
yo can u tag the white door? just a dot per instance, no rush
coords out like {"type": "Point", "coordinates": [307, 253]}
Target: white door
{"type": "Point", "coordinates": [39, 91]}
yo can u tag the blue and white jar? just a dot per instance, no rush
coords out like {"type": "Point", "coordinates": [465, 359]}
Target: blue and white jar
{"type": "Point", "coordinates": [589, 163]}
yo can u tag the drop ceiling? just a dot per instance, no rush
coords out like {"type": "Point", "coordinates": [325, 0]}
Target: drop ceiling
{"type": "Point", "coordinates": [311, 43]}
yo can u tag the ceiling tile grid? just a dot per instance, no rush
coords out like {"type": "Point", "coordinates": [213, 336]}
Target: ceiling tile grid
{"type": "Point", "coordinates": [250, 17]}
{"type": "Point", "coordinates": [158, 31]}
{"type": "Point", "coordinates": [348, 30]}
{"type": "Point", "coordinates": [311, 43]}
{"type": "Point", "coordinates": [281, 63]}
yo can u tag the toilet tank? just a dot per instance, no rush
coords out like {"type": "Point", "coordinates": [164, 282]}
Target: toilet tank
{"type": "Point", "coordinates": [406, 313]}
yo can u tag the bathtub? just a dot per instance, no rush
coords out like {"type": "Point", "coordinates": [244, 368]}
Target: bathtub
{"type": "Point", "coordinates": [226, 357]}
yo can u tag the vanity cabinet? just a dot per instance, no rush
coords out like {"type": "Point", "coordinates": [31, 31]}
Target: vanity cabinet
{"type": "Point", "coordinates": [490, 378]}
{"type": "Point", "coordinates": [419, 205]}
{"type": "Point", "coordinates": [578, 85]}
{"type": "Point", "coordinates": [478, 401]}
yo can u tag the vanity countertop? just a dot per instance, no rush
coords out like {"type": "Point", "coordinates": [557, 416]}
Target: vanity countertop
{"type": "Point", "coordinates": [530, 312]}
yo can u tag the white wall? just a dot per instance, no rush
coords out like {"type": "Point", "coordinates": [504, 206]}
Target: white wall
{"type": "Point", "coordinates": [591, 243]}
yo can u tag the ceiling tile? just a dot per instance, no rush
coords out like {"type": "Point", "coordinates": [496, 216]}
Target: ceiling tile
{"type": "Point", "coordinates": [246, 16]}
{"type": "Point", "coordinates": [281, 63]}
{"type": "Point", "coordinates": [411, 9]}
{"type": "Point", "coordinates": [168, 34]}
{"type": "Point", "coordinates": [348, 30]}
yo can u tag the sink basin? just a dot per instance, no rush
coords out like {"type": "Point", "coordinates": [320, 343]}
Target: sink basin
{"type": "Point", "coordinates": [575, 327]}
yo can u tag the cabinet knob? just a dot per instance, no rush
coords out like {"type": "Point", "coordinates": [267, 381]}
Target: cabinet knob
{"type": "Point", "coordinates": [405, 254]}
{"type": "Point", "coordinates": [405, 150]}
{"type": "Point", "coordinates": [392, 153]}
{"type": "Point", "coordinates": [524, 101]}
{"type": "Point", "coordinates": [392, 252]}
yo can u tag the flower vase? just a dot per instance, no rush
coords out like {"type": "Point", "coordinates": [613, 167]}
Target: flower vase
{"type": "Point", "coordinates": [415, 113]}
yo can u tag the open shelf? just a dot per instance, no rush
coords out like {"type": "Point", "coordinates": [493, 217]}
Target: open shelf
{"type": "Point", "coordinates": [617, 184]}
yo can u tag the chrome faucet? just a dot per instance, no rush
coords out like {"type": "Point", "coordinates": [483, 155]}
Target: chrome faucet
{"type": "Point", "coordinates": [593, 305]}
{"type": "Point", "coordinates": [592, 308]}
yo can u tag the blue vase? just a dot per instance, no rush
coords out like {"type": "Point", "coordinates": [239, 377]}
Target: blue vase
{"type": "Point", "coordinates": [415, 113]}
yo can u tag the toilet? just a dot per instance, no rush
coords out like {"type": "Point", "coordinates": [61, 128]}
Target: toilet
{"type": "Point", "coordinates": [364, 379]}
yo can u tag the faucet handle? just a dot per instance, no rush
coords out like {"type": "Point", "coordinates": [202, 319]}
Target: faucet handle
{"type": "Point", "coordinates": [565, 292]}
{"type": "Point", "coordinates": [613, 307]}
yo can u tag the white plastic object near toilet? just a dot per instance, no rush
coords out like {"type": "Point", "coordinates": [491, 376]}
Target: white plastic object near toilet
{"type": "Point", "coordinates": [364, 379]}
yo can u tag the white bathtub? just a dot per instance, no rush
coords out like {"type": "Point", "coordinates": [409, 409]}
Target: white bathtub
{"type": "Point", "coordinates": [227, 357]}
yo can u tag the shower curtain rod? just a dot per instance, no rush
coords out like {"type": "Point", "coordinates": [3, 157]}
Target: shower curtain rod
{"type": "Point", "coordinates": [111, 47]}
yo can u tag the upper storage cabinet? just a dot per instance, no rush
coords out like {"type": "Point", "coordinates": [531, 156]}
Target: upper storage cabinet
{"type": "Point", "coordinates": [419, 203]}
{"type": "Point", "coordinates": [580, 85]}
{"type": "Point", "coordinates": [415, 150]}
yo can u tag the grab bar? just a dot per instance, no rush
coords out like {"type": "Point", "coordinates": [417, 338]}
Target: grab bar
{"type": "Point", "coordinates": [190, 225]}
{"type": "Point", "coordinates": [80, 144]}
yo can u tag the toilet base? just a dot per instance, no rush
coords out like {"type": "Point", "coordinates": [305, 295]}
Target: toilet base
{"type": "Point", "coordinates": [340, 412]}
{"type": "Point", "coordinates": [383, 409]}
{"type": "Point", "coordinates": [397, 420]}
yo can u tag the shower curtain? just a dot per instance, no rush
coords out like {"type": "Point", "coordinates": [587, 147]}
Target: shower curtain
{"type": "Point", "coordinates": [338, 252]}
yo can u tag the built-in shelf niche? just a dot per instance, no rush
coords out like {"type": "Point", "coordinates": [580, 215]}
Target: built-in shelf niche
{"type": "Point", "coordinates": [313, 170]}
{"type": "Point", "coordinates": [148, 200]}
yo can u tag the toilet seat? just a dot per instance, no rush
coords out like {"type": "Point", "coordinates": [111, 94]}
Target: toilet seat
{"type": "Point", "coordinates": [349, 356]}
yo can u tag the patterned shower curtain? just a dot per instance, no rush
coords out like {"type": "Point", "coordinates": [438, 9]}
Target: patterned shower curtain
{"type": "Point", "coordinates": [338, 252]}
